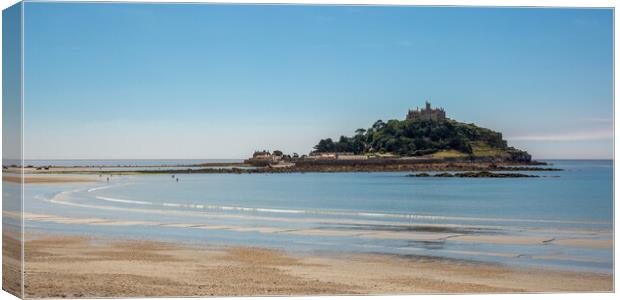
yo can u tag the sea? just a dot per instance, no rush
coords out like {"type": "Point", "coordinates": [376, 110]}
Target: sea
{"type": "Point", "coordinates": [561, 220]}
{"type": "Point", "coordinates": [122, 162]}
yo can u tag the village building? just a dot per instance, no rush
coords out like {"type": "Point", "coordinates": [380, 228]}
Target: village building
{"type": "Point", "coordinates": [262, 155]}
{"type": "Point", "coordinates": [263, 158]}
{"type": "Point", "coordinates": [328, 155]}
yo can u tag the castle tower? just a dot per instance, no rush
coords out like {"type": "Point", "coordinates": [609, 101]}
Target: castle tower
{"type": "Point", "coordinates": [427, 113]}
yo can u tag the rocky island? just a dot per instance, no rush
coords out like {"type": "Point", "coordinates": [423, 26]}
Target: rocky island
{"type": "Point", "coordinates": [426, 133]}
{"type": "Point", "coordinates": [426, 140]}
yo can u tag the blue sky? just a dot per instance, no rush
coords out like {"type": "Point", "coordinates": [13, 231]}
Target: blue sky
{"type": "Point", "coordinates": [11, 102]}
{"type": "Point", "coordinates": [220, 81]}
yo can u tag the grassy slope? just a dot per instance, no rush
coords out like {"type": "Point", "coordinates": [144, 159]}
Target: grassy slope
{"type": "Point", "coordinates": [449, 154]}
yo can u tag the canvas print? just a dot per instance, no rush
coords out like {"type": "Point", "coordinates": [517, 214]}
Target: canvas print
{"type": "Point", "coordinates": [162, 149]}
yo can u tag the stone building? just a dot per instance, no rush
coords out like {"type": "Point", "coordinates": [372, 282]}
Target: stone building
{"type": "Point", "coordinates": [427, 113]}
{"type": "Point", "coordinates": [261, 155]}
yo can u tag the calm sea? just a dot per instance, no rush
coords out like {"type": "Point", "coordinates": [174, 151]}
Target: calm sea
{"type": "Point", "coordinates": [562, 220]}
{"type": "Point", "coordinates": [121, 162]}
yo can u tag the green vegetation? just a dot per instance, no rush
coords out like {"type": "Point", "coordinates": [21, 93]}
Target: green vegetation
{"type": "Point", "coordinates": [437, 139]}
{"type": "Point", "coordinates": [449, 154]}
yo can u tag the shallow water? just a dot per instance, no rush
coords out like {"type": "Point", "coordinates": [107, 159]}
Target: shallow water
{"type": "Point", "coordinates": [516, 221]}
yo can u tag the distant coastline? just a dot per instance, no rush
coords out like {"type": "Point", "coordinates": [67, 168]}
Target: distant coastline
{"type": "Point", "coordinates": [319, 166]}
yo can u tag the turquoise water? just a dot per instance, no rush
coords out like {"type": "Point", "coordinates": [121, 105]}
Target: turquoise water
{"type": "Point", "coordinates": [517, 221]}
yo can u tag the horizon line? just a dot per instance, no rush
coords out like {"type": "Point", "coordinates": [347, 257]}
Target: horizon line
{"type": "Point", "coordinates": [202, 158]}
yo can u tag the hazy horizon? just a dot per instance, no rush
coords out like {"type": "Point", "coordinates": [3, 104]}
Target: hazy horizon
{"type": "Point", "coordinates": [144, 81]}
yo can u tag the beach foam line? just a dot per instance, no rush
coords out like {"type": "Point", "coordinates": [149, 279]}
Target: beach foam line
{"type": "Point", "coordinates": [97, 188]}
{"type": "Point", "coordinates": [62, 198]}
{"type": "Point", "coordinates": [106, 187]}
{"type": "Point", "coordinates": [206, 206]}
{"type": "Point", "coordinates": [347, 213]}
{"type": "Point", "coordinates": [124, 201]}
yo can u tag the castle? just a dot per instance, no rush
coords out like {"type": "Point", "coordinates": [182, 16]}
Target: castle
{"type": "Point", "coordinates": [427, 113]}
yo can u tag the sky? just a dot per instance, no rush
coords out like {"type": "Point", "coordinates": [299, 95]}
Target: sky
{"type": "Point", "coordinates": [111, 81]}
{"type": "Point", "coordinates": [11, 101]}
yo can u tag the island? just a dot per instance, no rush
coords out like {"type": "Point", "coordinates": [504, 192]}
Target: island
{"type": "Point", "coordinates": [426, 140]}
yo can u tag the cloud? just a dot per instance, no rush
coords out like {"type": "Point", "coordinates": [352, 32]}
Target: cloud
{"type": "Point", "coordinates": [567, 136]}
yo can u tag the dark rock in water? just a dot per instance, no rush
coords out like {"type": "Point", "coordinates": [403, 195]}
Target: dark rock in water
{"type": "Point", "coordinates": [517, 155]}
{"type": "Point", "coordinates": [493, 175]}
{"type": "Point", "coordinates": [482, 174]}
{"type": "Point", "coordinates": [419, 175]}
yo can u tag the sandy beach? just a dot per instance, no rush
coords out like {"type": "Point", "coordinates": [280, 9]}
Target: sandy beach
{"type": "Point", "coordinates": [49, 179]}
{"type": "Point", "coordinates": [11, 262]}
{"type": "Point", "coordinates": [149, 235]}
{"type": "Point", "coordinates": [80, 266]}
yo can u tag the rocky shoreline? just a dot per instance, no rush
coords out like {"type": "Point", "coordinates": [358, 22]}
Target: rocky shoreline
{"type": "Point", "coordinates": [327, 168]}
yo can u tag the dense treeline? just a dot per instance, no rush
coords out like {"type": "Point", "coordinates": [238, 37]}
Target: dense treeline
{"type": "Point", "coordinates": [413, 138]}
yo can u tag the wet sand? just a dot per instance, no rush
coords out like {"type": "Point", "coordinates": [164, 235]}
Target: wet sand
{"type": "Point", "coordinates": [80, 266]}
{"type": "Point", "coordinates": [49, 179]}
{"type": "Point", "coordinates": [424, 233]}
{"type": "Point", "coordinates": [11, 262]}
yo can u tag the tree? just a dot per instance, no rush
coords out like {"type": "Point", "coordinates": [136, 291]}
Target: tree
{"type": "Point", "coordinates": [378, 125]}
{"type": "Point", "coordinates": [358, 144]}
{"type": "Point", "coordinates": [277, 153]}
{"type": "Point", "coordinates": [414, 137]}
{"type": "Point", "coordinates": [343, 145]}
{"type": "Point", "coordinates": [326, 145]}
